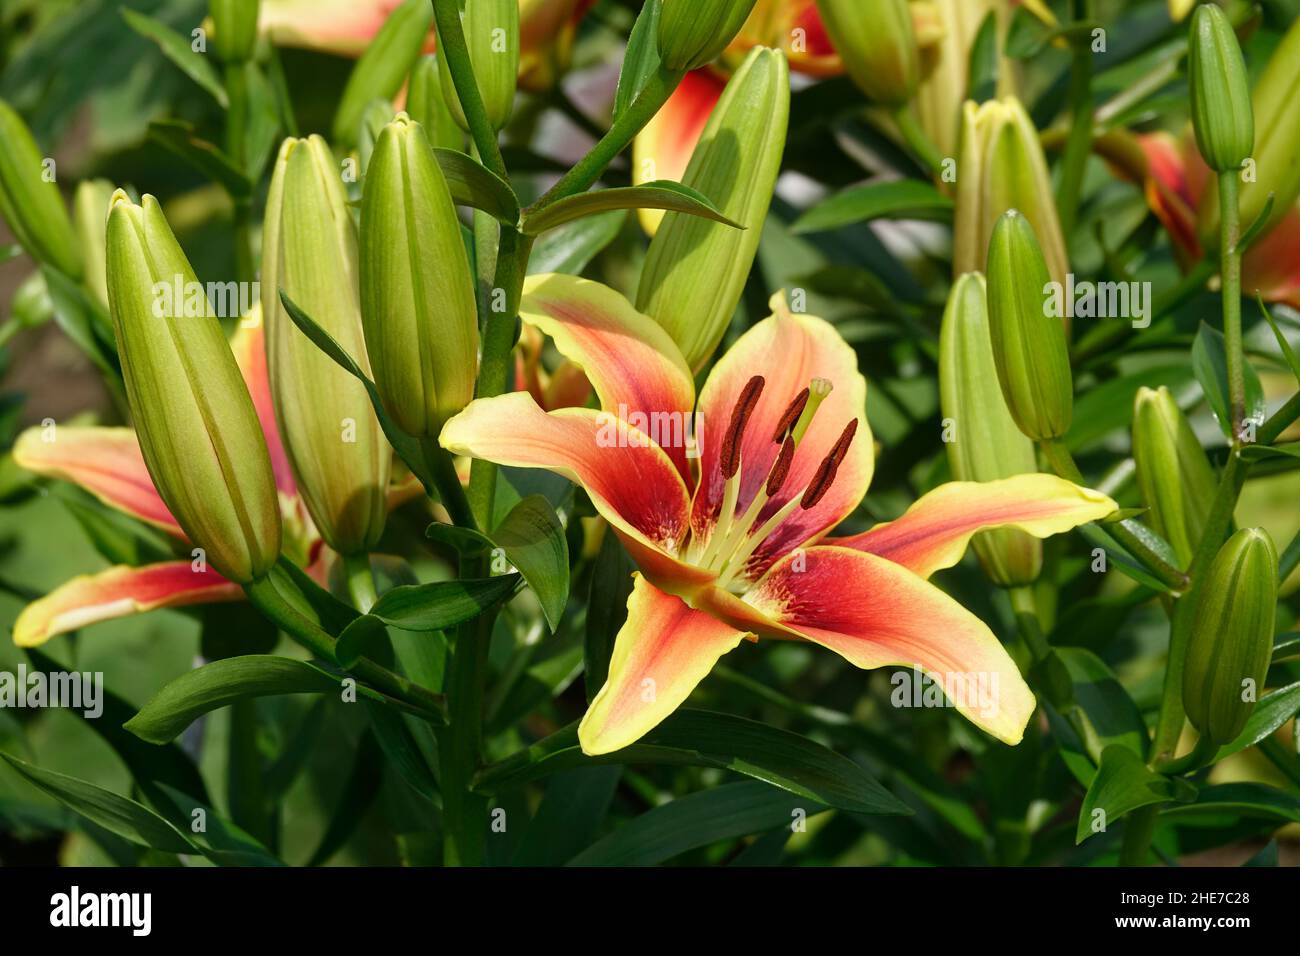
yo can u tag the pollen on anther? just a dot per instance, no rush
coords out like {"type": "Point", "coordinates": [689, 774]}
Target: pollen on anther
{"type": "Point", "coordinates": [826, 471]}
{"type": "Point", "coordinates": [730, 459]}
{"type": "Point", "coordinates": [781, 470]}
{"type": "Point", "coordinates": [790, 417]}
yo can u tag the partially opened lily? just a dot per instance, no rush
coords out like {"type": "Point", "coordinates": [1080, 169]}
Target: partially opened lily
{"type": "Point", "coordinates": [727, 522]}
{"type": "Point", "coordinates": [108, 463]}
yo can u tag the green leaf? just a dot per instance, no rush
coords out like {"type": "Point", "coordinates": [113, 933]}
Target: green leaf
{"type": "Point", "coordinates": [897, 199]}
{"type": "Point", "coordinates": [1123, 559]}
{"type": "Point", "coordinates": [702, 738]}
{"type": "Point", "coordinates": [1286, 645]}
{"type": "Point", "coordinates": [126, 818]}
{"type": "Point", "coordinates": [1124, 783]}
{"type": "Point", "coordinates": [1273, 710]}
{"type": "Point", "coordinates": [442, 604]}
{"type": "Point", "coordinates": [1244, 799]}
{"type": "Point", "coordinates": [570, 248]}
{"type": "Point", "coordinates": [473, 184]}
{"type": "Point", "coordinates": [360, 791]}
{"type": "Point", "coordinates": [182, 139]}
{"type": "Point", "coordinates": [641, 60]}
{"type": "Point", "coordinates": [1210, 363]}
{"type": "Point", "coordinates": [177, 48]}
{"type": "Point", "coordinates": [221, 841]}
{"type": "Point", "coordinates": [402, 749]}
{"type": "Point", "coordinates": [1261, 452]}
{"type": "Point", "coordinates": [1282, 342]}
{"type": "Point", "coordinates": [660, 194]}
{"type": "Point", "coordinates": [569, 817]}
{"type": "Point", "coordinates": [534, 542]}
{"type": "Point", "coordinates": [728, 812]}
{"type": "Point", "coordinates": [611, 586]}
{"type": "Point", "coordinates": [223, 682]}
{"type": "Point", "coordinates": [360, 639]}
{"type": "Point", "coordinates": [1108, 715]}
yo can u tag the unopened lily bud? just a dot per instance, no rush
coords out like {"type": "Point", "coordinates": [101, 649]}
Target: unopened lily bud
{"type": "Point", "coordinates": [29, 197]}
{"type": "Point", "coordinates": [1001, 166]}
{"type": "Point", "coordinates": [492, 35]}
{"type": "Point", "coordinates": [235, 28]}
{"type": "Point", "coordinates": [1274, 170]}
{"type": "Point", "coordinates": [877, 43]}
{"type": "Point", "coordinates": [1175, 477]}
{"type": "Point", "coordinates": [90, 216]}
{"type": "Point", "coordinates": [309, 251]}
{"type": "Point", "coordinates": [426, 105]}
{"type": "Point", "coordinates": [1028, 343]}
{"type": "Point", "coordinates": [417, 292]}
{"type": "Point", "coordinates": [1220, 90]}
{"type": "Point", "coordinates": [693, 32]}
{"type": "Point", "coordinates": [385, 64]}
{"type": "Point", "coordinates": [197, 427]}
{"type": "Point", "coordinates": [695, 269]}
{"type": "Point", "coordinates": [945, 67]}
{"type": "Point", "coordinates": [1232, 636]}
{"type": "Point", "coordinates": [984, 443]}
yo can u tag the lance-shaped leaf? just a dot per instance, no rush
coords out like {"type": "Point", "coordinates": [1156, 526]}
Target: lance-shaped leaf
{"type": "Point", "coordinates": [177, 48]}
{"type": "Point", "coordinates": [898, 199]}
{"type": "Point", "coordinates": [1124, 783]}
{"type": "Point", "coordinates": [660, 194]}
{"type": "Point", "coordinates": [473, 184]}
{"type": "Point", "coordinates": [533, 540]}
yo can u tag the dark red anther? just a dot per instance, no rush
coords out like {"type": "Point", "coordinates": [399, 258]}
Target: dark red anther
{"type": "Point", "coordinates": [791, 417]}
{"type": "Point", "coordinates": [736, 429]}
{"type": "Point", "coordinates": [781, 470]}
{"type": "Point", "coordinates": [825, 476]}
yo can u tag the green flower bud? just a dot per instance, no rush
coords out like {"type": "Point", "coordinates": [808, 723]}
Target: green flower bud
{"type": "Point", "coordinates": [420, 319]}
{"type": "Point", "coordinates": [1175, 477]}
{"type": "Point", "coordinates": [384, 66]}
{"type": "Point", "coordinates": [695, 269]}
{"type": "Point", "coordinates": [984, 444]}
{"type": "Point", "coordinates": [492, 35]}
{"type": "Point", "coordinates": [235, 28]}
{"type": "Point", "coordinates": [877, 43]}
{"type": "Point", "coordinates": [195, 421]}
{"type": "Point", "coordinates": [1028, 344]}
{"type": "Point", "coordinates": [29, 199]}
{"type": "Point", "coordinates": [1000, 167]}
{"type": "Point", "coordinates": [1221, 111]}
{"type": "Point", "coordinates": [90, 216]}
{"type": "Point", "coordinates": [427, 106]}
{"type": "Point", "coordinates": [1232, 636]}
{"type": "Point", "coordinates": [693, 32]}
{"type": "Point", "coordinates": [1276, 168]}
{"type": "Point", "coordinates": [333, 440]}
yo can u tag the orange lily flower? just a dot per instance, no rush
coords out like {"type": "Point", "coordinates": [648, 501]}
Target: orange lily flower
{"type": "Point", "coordinates": [346, 27]}
{"type": "Point", "coordinates": [107, 462]}
{"type": "Point", "coordinates": [727, 521]}
{"type": "Point", "coordinates": [1175, 178]}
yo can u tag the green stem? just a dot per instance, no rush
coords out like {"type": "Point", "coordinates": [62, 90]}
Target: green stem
{"type": "Point", "coordinates": [452, 46]}
{"type": "Point", "coordinates": [450, 490]}
{"type": "Point", "coordinates": [1279, 422]}
{"type": "Point", "coordinates": [628, 123]}
{"type": "Point", "coordinates": [1230, 269]}
{"type": "Point", "coordinates": [460, 743]}
{"type": "Point", "coordinates": [917, 140]}
{"type": "Point", "coordinates": [1139, 828]}
{"type": "Point", "coordinates": [237, 118]}
{"type": "Point", "coordinates": [272, 605]}
{"type": "Point", "coordinates": [1169, 723]}
{"type": "Point", "coordinates": [1026, 610]}
{"type": "Point", "coordinates": [1079, 144]}
{"type": "Point", "coordinates": [360, 581]}
{"type": "Point", "coordinates": [1062, 462]}
{"type": "Point", "coordinates": [1200, 755]}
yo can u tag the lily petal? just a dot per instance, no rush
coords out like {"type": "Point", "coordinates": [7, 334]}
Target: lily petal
{"type": "Point", "coordinates": [118, 592]}
{"type": "Point", "coordinates": [876, 613]}
{"type": "Point", "coordinates": [631, 481]}
{"type": "Point", "coordinates": [661, 653]}
{"type": "Point", "coordinates": [105, 461]}
{"type": "Point", "coordinates": [662, 150]}
{"type": "Point", "coordinates": [934, 532]}
{"type": "Point", "coordinates": [635, 367]}
{"type": "Point", "coordinates": [345, 27]}
{"type": "Point", "coordinates": [249, 345]}
{"type": "Point", "coordinates": [789, 350]}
